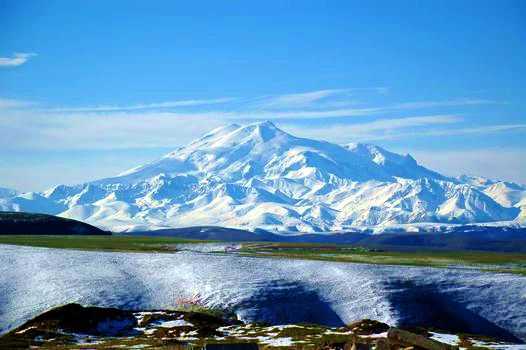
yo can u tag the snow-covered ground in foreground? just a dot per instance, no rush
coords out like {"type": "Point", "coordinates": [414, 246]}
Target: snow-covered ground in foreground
{"type": "Point", "coordinates": [278, 291]}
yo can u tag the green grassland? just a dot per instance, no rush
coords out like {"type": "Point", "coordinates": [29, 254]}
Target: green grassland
{"type": "Point", "coordinates": [101, 243]}
{"type": "Point", "coordinates": [491, 261]}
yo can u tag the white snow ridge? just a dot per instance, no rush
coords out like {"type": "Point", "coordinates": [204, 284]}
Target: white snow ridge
{"type": "Point", "coordinates": [260, 176]}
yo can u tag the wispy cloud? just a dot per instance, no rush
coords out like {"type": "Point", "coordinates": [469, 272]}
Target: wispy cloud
{"type": "Point", "coordinates": [17, 59]}
{"type": "Point", "coordinates": [88, 131]}
{"type": "Point", "coordinates": [390, 108]}
{"type": "Point", "coordinates": [6, 103]}
{"type": "Point", "coordinates": [449, 103]}
{"type": "Point", "coordinates": [305, 99]}
{"type": "Point", "coordinates": [331, 114]}
{"type": "Point", "coordinates": [176, 122]}
{"type": "Point", "coordinates": [144, 130]}
{"type": "Point", "coordinates": [337, 103]}
{"type": "Point", "coordinates": [456, 131]}
{"type": "Point", "coordinates": [474, 130]}
{"type": "Point", "coordinates": [398, 128]}
{"type": "Point", "coordinates": [378, 129]}
{"type": "Point", "coordinates": [327, 103]}
{"type": "Point", "coordinates": [305, 113]}
{"type": "Point", "coordinates": [316, 99]}
{"type": "Point", "coordinates": [159, 105]}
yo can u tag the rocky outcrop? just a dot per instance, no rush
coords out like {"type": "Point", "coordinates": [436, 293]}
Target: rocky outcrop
{"type": "Point", "coordinates": [73, 326]}
{"type": "Point", "coordinates": [403, 339]}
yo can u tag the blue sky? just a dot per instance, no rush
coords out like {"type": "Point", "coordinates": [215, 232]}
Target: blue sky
{"type": "Point", "coordinates": [88, 89]}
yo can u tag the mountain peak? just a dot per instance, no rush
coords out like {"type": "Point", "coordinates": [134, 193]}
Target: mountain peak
{"type": "Point", "coordinates": [262, 131]}
{"type": "Point", "coordinates": [261, 126]}
{"type": "Point", "coordinates": [222, 130]}
{"type": "Point", "coordinates": [233, 134]}
{"type": "Point", "coordinates": [395, 164]}
{"type": "Point", "coordinates": [265, 124]}
{"type": "Point", "coordinates": [258, 176]}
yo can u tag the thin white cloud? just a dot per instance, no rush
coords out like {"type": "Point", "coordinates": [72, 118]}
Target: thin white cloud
{"type": "Point", "coordinates": [24, 130]}
{"type": "Point", "coordinates": [87, 131]}
{"type": "Point", "coordinates": [487, 129]}
{"type": "Point", "coordinates": [257, 105]}
{"type": "Point", "coordinates": [375, 130]}
{"type": "Point", "coordinates": [338, 103]}
{"type": "Point", "coordinates": [6, 103]}
{"type": "Point", "coordinates": [306, 114]}
{"type": "Point", "coordinates": [475, 130]}
{"type": "Point", "coordinates": [386, 126]}
{"type": "Point", "coordinates": [17, 59]}
{"type": "Point", "coordinates": [326, 98]}
{"type": "Point", "coordinates": [449, 103]}
{"type": "Point", "coordinates": [328, 103]}
{"type": "Point", "coordinates": [397, 128]}
{"type": "Point", "coordinates": [160, 105]}
{"type": "Point", "coordinates": [300, 99]}
{"type": "Point", "coordinates": [143, 130]}
{"type": "Point", "coordinates": [151, 125]}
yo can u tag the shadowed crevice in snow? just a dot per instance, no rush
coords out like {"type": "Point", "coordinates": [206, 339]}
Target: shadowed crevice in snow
{"type": "Point", "coordinates": [427, 305]}
{"type": "Point", "coordinates": [136, 294]}
{"type": "Point", "coordinates": [286, 303]}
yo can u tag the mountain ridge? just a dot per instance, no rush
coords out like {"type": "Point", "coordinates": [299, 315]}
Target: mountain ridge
{"type": "Point", "coordinates": [258, 176]}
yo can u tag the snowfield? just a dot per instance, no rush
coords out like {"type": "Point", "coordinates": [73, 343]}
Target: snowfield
{"type": "Point", "coordinates": [278, 291]}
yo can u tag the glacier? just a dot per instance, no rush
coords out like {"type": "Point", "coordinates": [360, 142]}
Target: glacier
{"type": "Point", "coordinates": [259, 176]}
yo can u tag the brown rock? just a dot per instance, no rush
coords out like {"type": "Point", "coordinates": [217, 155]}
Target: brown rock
{"type": "Point", "coordinates": [367, 327]}
{"type": "Point", "coordinates": [382, 344]}
{"type": "Point", "coordinates": [408, 339]}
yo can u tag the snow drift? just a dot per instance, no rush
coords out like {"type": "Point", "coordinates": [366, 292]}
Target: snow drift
{"type": "Point", "coordinates": [278, 291]}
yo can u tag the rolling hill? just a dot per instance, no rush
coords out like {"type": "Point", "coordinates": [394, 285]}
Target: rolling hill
{"type": "Point", "coordinates": [17, 223]}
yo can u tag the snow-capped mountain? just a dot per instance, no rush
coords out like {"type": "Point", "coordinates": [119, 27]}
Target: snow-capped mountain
{"type": "Point", "coordinates": [7, 192]}
{"type": "Point", "coordinates": [258, 176]}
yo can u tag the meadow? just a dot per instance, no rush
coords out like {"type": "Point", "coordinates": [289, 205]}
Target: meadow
{"type": "Point", "coordinates": [489, 261]}
{"type": "Point", "coordinates": [98, 243]}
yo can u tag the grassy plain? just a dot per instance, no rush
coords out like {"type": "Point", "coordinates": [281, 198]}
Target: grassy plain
{"type": "Point", "coordinates": [491, 261]}
{"type": "Point", "coordinates": [101, 243]}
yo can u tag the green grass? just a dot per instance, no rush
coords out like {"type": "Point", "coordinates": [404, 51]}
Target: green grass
{"type": "Point", "coordinates": [119, 243]}
{"type": "Point", "coordinates": [490, 261]}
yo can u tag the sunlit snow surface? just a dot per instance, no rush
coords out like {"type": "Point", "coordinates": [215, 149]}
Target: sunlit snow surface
{"type": "Point", "coordinates": [258, 176]}
{"type": "Point", "coordinates": [33, 280]}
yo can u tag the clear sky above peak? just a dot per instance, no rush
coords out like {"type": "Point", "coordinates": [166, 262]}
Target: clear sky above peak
{"type": "Point", "coordinates": [88, 89]}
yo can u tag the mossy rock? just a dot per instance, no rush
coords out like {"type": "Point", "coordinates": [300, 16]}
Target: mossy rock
{"type": "Point", "coordinates": [368, 327]}
{"type": "Point", "coordinates": [56, 323]}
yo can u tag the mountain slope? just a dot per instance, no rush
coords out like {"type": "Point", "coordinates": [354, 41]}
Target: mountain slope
{"type": "Point", "coordinates": [260, 176]}
{"type": "Point", "coordinates": [16, 223]}
{"type": "Point", "coordinates": [7, 192]}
